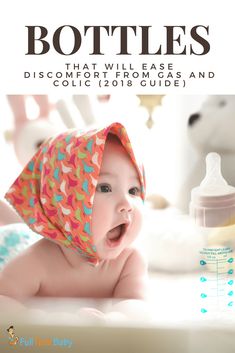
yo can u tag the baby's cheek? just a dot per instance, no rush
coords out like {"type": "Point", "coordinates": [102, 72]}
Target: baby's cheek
{"type": "Point", "coordinates": [139, 211]}
{"type": "Point", "coordinates": [100, 217]}
{"type": "Point", "coordinates": [96, 225]}
{"type": "Point", "coordinates": [96, 212]}
{"type": "Point", "coordinates": [137, 221]}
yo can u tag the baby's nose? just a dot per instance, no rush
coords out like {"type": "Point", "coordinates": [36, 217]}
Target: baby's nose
{"type": "Point", "coordinates": [125, 205]}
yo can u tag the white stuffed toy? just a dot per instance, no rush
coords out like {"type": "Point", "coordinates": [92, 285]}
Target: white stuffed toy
{"type": "Point", "coordinates": [210, 129]}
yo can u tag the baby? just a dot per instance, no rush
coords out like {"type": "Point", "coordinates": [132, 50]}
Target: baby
{"type": "Point", "coordinates": [84, 194]}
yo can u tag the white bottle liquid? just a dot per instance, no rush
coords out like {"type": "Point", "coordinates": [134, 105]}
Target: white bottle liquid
{"type": "Point", "coordinates": [213, 209]}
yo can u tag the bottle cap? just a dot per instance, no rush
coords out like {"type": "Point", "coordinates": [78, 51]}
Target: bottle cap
{"type": "Point", "coordinates": [213, 201]}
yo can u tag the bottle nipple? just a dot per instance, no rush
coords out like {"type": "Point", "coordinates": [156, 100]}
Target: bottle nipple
{"type": "Point", "coordinates": [214, 182]}
{"type": "Point", "coordinates": [213, 201]}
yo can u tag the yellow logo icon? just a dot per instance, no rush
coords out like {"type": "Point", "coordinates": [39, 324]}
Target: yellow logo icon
{"type": "Point", "coordinates": [12, 338]}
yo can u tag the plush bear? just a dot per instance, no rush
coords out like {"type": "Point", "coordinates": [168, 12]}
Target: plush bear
{"type": "Point", "coordinates": [210, 129]}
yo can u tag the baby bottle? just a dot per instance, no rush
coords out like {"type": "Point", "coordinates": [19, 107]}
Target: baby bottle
{"type": "Point", "coordinates": [213, 208]}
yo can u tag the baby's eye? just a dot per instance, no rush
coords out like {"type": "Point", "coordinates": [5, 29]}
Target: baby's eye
{"type": "Point", "coordinates": [103, 188]}
{"type": "Point", "coordinates": [135, 191]}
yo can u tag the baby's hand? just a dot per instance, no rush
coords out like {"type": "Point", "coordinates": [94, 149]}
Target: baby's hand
{"type": "Point", "coordinates": [97, 316]}
{"type": "Point", "coordinates": [92, 315]}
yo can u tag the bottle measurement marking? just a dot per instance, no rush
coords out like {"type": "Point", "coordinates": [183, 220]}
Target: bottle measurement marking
{"type": "Point", "coordinates": [217, 279]}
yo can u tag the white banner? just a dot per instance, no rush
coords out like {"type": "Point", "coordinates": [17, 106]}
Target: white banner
{"type": "Point", "coordinates": [101, 47]}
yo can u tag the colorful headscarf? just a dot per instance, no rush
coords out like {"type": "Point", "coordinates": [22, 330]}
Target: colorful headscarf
{"type": "Point", "coordinates": [55, 191]}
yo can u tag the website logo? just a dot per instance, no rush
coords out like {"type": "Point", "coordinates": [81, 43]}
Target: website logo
{"type": "Point", "coordinates": [12, 338]}
{"type": "Point", "coordinates": [37, 341]}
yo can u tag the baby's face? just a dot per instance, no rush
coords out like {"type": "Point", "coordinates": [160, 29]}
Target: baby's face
{"type": "Point", "coordinates": [117, 208]}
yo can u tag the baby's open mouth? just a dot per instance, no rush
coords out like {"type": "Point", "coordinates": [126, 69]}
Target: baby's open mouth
{"type": "Point", "coordinates": [115, 235]}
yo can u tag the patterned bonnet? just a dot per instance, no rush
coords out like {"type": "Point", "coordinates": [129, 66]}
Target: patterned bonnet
{"type": "Point", "coordinates": [55, 191]}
